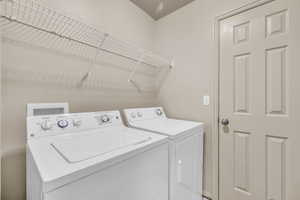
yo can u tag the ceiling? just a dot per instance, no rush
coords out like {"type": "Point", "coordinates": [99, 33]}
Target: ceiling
{"type": "Point", "coordinates": [160, 8]}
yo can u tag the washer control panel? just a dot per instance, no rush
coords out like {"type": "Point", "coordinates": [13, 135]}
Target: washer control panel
{"type": "Point", "coordinates": [139, 114]}
{"type": "Point", "coordinates": [39, 126]}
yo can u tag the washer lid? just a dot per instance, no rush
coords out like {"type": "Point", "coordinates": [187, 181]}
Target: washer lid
{"type": "Point", "coordinates": [88, 150]}
{"type": "Point", "coordinates": [82, 147]}
{"type": "Point", "coordinates": [169, 127]}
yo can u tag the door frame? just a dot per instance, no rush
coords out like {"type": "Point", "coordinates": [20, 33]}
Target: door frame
{"type": "Point", "coordinates": [1, 107]}
{"type": "Point", "coordinates": [215, 89]}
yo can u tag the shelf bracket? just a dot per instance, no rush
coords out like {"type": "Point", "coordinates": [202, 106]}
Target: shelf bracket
{"type": "Point", "coordinates": [94, 60]}
{"type": "Point", "coordinates": [132, 73]}
{"type": "Point", "coordinates": [172, 64]}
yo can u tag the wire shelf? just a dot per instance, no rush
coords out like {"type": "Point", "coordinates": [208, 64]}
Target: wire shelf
{"type": "Point", "coordinates": [32, 22]}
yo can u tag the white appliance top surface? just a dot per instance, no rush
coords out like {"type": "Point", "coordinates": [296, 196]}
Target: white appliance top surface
{"type": "Point", "coordinates": [64, 155]}
{"type": "Point", "coordinates": [64, 147]}
{"type": "Point", "coordinates": [80, 147]}
{"type": "Point", "coordinates": [154, 119]}
{"type": "Point", "coordinates": [169, 127]}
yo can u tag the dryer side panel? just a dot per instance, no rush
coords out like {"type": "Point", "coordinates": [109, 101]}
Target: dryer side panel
{"type": "Point", "coordinates": [188, 168]}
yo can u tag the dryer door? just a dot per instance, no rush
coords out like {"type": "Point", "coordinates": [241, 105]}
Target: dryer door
{"type": "Point", "coordinates": [188, 170]}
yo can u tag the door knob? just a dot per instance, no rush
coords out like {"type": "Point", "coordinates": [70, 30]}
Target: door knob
{"type": "Point", "coordinates": [224, 122]}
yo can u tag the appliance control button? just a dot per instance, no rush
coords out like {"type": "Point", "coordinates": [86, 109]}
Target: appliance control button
{"type": "Point", "coordinates": [159, 112]}
{"type": "Point", "coordinates": [62, 123]}
{"type": "Point", "coordinates": [77, 123]}
{"type": "Point", "coordinates": [139, 114]}
{"type": "Point", "coordinates": [105, 119]}
{"type": "Point", "coordinates": [46, 125]}
{"type": "Point", "coordinates": [133, 115]}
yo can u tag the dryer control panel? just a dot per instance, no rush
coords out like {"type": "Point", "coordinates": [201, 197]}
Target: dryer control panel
{"type": "Point", "coordinates": [139, 114]}
{"type": "Point", "coordinates": [40, 126]}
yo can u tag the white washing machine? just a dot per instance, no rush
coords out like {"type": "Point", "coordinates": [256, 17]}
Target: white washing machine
{"type": "Point", "coordinates": [92, 156]}
{"type": "Point", "coordinates": [186, 149]}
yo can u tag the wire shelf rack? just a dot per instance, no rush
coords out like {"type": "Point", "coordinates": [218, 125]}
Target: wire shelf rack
{"type": "Point", "coordinates": [32, 22]}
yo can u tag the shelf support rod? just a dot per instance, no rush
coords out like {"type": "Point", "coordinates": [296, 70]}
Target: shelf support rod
{"type": "Point", "coordinates": [130, 79]}
{"type": "Point", "coordinates": [94, 61]}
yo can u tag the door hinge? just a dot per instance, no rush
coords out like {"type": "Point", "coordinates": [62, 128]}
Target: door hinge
{"type": "Point", "coordinates": [206, 197]}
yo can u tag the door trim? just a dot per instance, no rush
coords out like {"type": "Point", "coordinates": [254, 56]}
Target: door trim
{"type": "Point", "coordinates": [214, 90]}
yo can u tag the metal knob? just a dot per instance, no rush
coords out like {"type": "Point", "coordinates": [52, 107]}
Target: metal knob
{"type": "Point", "coordinates": [76, 123]}
{"type": "Point", "coordinates": [62, 123]}
{"type": "Point", "coordinates": [46, 125]}
{"type": "Point", "coordinates": [225, 122]}
{"type": "Point", "coordinates": [159, 112]}
{"type": "Point", "coordinates": [133, 115]}
{"type": "Point", "coordinates": [105, 118]}
{"type": "Point", "coordinates": [139, 114]}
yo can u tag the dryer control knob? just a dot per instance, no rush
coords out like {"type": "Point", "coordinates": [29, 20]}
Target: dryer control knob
{"type": "Point", "coordinates": [105, 119]}
{"type": "Point", "coordinates": [139, 114]}
{"type": "Point", "coordinates": [46, 125]}
{"type": "Point", "coordinates": [62, 123]}
{"type": "Point", "coordinates": [133, 115]}
{"type": "Point", "coordinates": [159, 112]}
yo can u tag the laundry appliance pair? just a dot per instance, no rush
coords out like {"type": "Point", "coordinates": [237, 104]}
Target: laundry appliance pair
{"type": "Point", "coordinates": [94, 156]}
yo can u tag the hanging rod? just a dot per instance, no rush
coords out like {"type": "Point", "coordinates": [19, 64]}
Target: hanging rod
{"type": "Point", "coordinates": [80, 42]}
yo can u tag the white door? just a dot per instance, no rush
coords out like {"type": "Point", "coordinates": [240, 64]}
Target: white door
{"type": "Point", "coordinates": [260, 103]}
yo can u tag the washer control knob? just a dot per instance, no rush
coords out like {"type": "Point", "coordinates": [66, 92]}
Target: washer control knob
{"type": "Point", "coordinates": [62, 123]}
{"type": "Point", "coordinates": [46, 125]}
{"type": "Point", "coordinates": [76, 123]}
{"type": "Point", "coordinates": [139, 114]}
{"type": "Point", "coordinates": [159, 112]}
{"type": "Point", "coordinates": [105, 119]}
{"type": "Point", "coordinates": [133, 115]}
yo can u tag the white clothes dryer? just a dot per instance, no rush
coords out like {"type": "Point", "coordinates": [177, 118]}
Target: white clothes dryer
{"type": "Point", "coordinates": [186, 149]}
